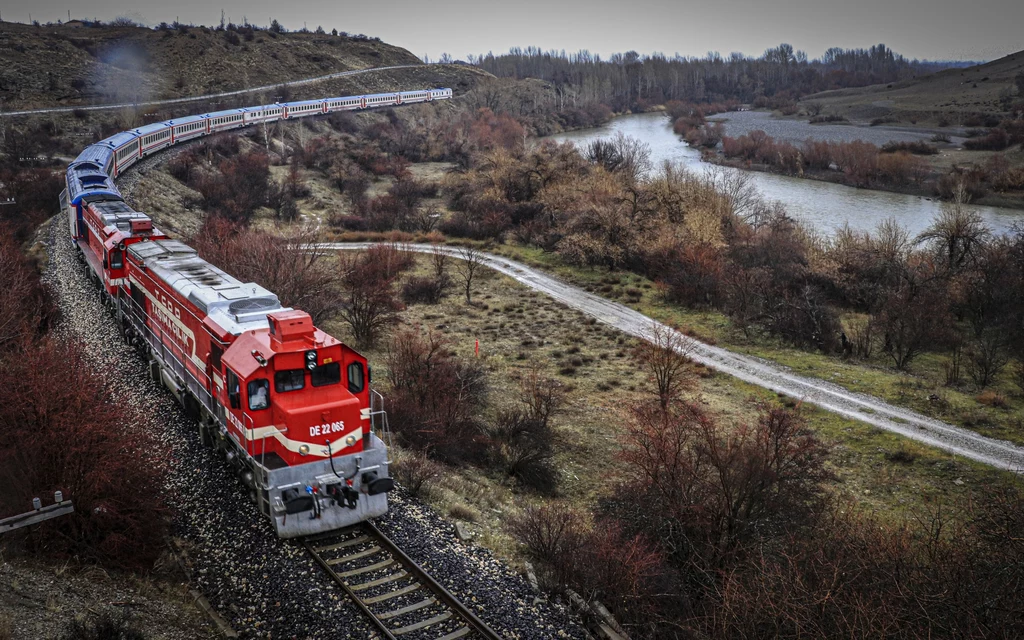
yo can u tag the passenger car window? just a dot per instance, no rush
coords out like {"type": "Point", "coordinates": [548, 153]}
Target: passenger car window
{"type": "Point", "coordinates": [259, 394]}
{"type": "Point", "coordinates": [290, 380]}
{"type": "Point", "coordinates": [326, 374]}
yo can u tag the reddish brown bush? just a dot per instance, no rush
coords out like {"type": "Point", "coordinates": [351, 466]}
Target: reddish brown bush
{"type": "Point", "coordinates": [62, 430]}
{"type": "Point", "coordinates": [301, 279]}
{"type": "Point", "coordinates": [368, 301]}
{"type": "Point", "coordinates": [434, 396]}
{"type": "Point", "coordinates": [240, 188]}
{"type": "Point", "coordinates": [25, 308]}
{"type": "Point", "coordinates": [996, 140]}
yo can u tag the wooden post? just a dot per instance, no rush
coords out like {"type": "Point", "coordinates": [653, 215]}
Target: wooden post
{"type": "Point", "coordinates": [40, 513]}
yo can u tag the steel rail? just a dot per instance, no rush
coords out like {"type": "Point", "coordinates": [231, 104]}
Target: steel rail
{"type": "Point", "coordinates": [410, 567]}
{"type": "Point", "coordinates": [446, 596]}
{"type": "Point", "coordinates": [348, 590]}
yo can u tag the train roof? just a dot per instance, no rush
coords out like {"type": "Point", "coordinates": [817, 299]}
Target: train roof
{"type": "Point", "coordinates": [187, 119]}
{"type": "Point", "coordinates": [95, 154]}
{"type": "Point", "coordinates": [120, 139]}
{"type": "Point", "coordinates": [86, 178]}
{"type": "Point", "coordinates": [117, 214]}
{"type": "Point", "coordinates": [226, 112]}
{"type": "Point", "coordinates": [234, 305]}
{"type": "Point", "coordinates": [298, 103]}
{"type": "Point", "coordinates": [151, 128]}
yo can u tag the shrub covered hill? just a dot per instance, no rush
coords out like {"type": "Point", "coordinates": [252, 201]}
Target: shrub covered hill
{"type": "Point", "coordinates": [63, 65]}
{"type": "Point", "coordinates": [946, 97]}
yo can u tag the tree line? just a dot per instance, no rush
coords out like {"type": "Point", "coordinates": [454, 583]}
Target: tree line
{"type": "Point", "coordinates": [630, 80]}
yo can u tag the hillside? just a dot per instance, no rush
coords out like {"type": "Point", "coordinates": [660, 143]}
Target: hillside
{"type": "Point", "coordinates": [948, 95]}
{"type": "Point", "coordinates": [44, 66]}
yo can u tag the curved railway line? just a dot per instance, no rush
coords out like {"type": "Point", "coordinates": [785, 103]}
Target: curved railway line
{"type": "Point", "coordinates": [400, 597]}
{"type": "Point", "coordinates": [208, 96]}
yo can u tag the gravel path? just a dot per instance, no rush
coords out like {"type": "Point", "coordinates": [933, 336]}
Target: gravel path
{"type": "Point", "coordinates": [829, 396]}
{"type": "Point", "coordinates": [263, 586]}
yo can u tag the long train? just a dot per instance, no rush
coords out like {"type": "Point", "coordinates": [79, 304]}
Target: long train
{"type": "Point", "coordinates": [290, 406]}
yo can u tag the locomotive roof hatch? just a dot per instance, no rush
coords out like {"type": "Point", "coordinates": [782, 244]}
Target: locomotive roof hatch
{"type": "Point", "coordinates": [290, 326]}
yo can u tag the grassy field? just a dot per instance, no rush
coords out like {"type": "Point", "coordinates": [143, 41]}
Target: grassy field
{"type": "Point", "coordinates": [66, 66]}
{"type": "Point", "coordinates": [950, 94]}
{"type": "Point", "coordinates": [520, 330]}
{"type": "Point", "coordinates": [921, 388]}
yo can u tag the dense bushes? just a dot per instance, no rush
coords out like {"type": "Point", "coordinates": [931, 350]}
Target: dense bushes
{"type": "Point", "coordinates": [434, 397]}
{"type": "Point", "coordinates": [726, 532]}
{"type": "Point", "coordinates": [62, 430]}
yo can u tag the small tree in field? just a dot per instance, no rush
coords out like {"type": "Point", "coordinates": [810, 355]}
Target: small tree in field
{"type": "Point", "coordinates": [369, 304]}
{"type": "Point", "coordinates": [467, 267]}
{"type": "Point", "coordinates": [665, 355]}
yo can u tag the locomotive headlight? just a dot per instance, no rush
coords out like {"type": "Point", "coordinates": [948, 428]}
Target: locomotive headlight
{"type": "Point", "coordinates": [303, 449]}
{"type": "Point", "coordinates": [311, 356]}
{"type": "Point", "coordinates": [311, 365]}
{"type": "Point", "coordinates": [349, 441]}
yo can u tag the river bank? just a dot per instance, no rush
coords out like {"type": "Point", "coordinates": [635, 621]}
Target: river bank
{"type": "Point", "coordinates": [926, 190]}
{"type": "Point", "coordinates": [822, 205]}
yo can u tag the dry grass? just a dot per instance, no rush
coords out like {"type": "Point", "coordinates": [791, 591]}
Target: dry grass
{"type": "Point", "coordinates": [945, 94]}
{"type": "Point", "coordinates": [127, 63]}
{"type": "Point", "coordinates": [519, 329]}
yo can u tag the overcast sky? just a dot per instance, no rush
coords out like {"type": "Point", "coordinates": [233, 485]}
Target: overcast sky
{"type": "Point", "coordinates": [933, 29]}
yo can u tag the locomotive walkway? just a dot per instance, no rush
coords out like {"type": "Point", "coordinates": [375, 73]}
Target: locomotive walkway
{"type": "Point", "coordinates": [828, 396]}
{"type": "Point", "coordinates": [209, 96]}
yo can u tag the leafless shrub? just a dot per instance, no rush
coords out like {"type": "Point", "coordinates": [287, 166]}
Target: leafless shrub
{"type": "Point", "coordinates": [665, 355]}
{"type": "Point", "coordinates": [414, 471]}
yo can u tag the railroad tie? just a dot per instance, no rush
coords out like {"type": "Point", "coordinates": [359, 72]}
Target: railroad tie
{"type": "Point", "coordinates": [401, 631]}
{"type": "Point", "coordinates": [373, 583]}
{"type": "Point", "coordinates": [426, 602]}
{"type": "Point", "coordinates": [393, 594]}
{"type": "Point", "coordinates": [355, 556]}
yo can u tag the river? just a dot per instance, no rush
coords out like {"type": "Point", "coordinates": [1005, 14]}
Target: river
{"type": "Point", "coordinates": [823, 205]}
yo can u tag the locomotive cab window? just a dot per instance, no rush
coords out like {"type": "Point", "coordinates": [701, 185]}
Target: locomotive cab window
{"type": "Point", "coordinates": [259, 394]}
{"type": "Point", "coordinates": [290, 380]}
{"type": "Point", "coordinates": [116, 259]}
{"type": "Point", "coordinates": [356, 382]}
{"type": "Point", "coordinates": [234, 394]}
{"type": "Point", "coordinates": [326, 374]}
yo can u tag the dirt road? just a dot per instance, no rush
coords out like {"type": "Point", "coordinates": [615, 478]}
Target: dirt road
{"type": "Point", "coordinates": [828, 396]}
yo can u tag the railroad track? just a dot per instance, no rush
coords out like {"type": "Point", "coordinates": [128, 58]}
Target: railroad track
{"type": "Point", "coordinates": [401, 598]}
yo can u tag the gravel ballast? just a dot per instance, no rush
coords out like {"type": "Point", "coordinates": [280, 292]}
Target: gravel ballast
{"type": "Point", "coordinates": [262, 586]}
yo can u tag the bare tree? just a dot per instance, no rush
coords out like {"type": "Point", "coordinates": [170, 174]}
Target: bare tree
{"type": "Point", "coordinates": [957, 234]}
{"type": "Point", "coordinates": [542, 396]}
{"type": "Point", "coordinates": [665, 355]}
{"type": "Point", "coordinates": [369, 304]}
{"type": "Point", "coordinates": [467, 267]}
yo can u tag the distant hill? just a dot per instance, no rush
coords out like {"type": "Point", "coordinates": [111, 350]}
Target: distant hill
{"type": "Point", "coordinates": [43, 66]}
{"type": "Point", "coordinates": [948, 95]}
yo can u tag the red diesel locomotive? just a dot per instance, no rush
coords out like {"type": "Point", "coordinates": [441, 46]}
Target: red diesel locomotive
{"type": "Point", "coordinates": [289, 405]}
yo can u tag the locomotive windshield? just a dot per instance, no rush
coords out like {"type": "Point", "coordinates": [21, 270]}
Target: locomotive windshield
{"type": "Point", "coordinates": [290, 380]}
{"type": "Point", "coordinates": [326, 374]}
